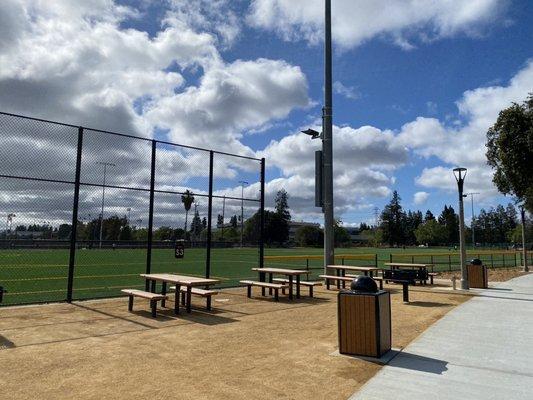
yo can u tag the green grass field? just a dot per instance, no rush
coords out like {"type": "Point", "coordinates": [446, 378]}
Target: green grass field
{"type": "Point", "coordinates": [35, 275]}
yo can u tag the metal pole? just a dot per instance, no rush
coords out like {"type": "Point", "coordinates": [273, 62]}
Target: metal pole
{"type": "Point", "coordinates": [327, 144]}
{"type": "Point", "coordinates": [262, 217]}
{"type": "Point", "coordinates": [473, 218]}
{"type": "Point", "coordinates": [105, 164]}
{"type": "Point", "coordinates": [242, 211]}
{"type": "Point", "coordinates": [209, 218]}
{"type": "Point", "coordinates": [150, 216]}
{"type": "Point", "coordinates": [524, 249]}
{"type": "Point", "coordinates": [461, 172]}
{"type": "Point", "coordinates": [223, 217]}
{"type": "Point", "coordinates": [73, 233]}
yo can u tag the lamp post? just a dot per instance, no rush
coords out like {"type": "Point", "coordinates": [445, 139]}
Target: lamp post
{"type": "Point", "coordinates": [324, 158]}
{"type": "Point", "coordinates": [105, 164]}
{"type": "Point", "coordinates": [524, 249]}
{"type": "Point", "coordinates": [471, 194]}
{"type": "Point", "coordinates": [243, 183]}
{"type": "Point", "coordinates": [460, 174]}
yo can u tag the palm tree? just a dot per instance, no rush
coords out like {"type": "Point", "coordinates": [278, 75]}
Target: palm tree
{"type": "Point", "coordinates": [187, 199]}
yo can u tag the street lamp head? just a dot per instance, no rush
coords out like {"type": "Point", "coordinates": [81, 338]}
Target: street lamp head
{"type": "Point", "coordinates": [459, 173]}
{"type": "Point", "coordinates": [311, 132]}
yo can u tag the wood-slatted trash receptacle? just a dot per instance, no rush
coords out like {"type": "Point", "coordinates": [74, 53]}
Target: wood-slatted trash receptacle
{"type": "Point", "coordinates": [364, 315]}
{"type": "Point", "coordinates": [478, 276]}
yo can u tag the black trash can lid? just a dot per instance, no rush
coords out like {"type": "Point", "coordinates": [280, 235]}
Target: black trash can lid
{"type": "Point", "coordinates": [364, 284]}
{"type": "Point", "coordinates": [476, 261]}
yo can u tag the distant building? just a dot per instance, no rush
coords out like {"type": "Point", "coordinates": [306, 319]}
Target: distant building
{"type": "Point", "coordinates": [295, 225]}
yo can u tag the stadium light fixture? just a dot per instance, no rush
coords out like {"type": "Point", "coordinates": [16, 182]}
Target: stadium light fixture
{"type": "Point", "coordinates": [314, 134]}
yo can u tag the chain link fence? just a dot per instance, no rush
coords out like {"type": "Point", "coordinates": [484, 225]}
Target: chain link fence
{"type": "Point", "coordinates": [86, 211]}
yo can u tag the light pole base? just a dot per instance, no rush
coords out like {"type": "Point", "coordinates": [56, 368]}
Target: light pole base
{"type": "Point", "coordinates": [464, 284]}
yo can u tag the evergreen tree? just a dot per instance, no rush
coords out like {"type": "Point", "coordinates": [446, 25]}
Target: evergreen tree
{"type": "Point", "coordinates": [450, 221]}
{"type": "Point", "coordinates": [392, 221]}
{"type": "Point", "coordinates": [282, 216]}
{"type": "Point", "coordinates": [220, 220]}
{"type": "Point", "coordinates": [429, 216]}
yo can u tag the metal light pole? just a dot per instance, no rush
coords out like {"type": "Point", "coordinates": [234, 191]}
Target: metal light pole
{"type": "Point", "coordinates": [105, 164]}
{"type": "Point", "coordinates": [460, 174]}
{"type": "Point", "coordinates": [524, 249]}
{"type": "Point", "coordinates": [327, 144]}
{"type": "Point", "coordinates": [129, 214]}
{"type": "Point", "coordinates": [242, 211]}
{"type": "Point", "coordinates": [223, 213]}
{"type": "Point", "coordinates": [471, 194]}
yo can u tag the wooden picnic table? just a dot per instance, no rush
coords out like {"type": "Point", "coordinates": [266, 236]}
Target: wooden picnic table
{"type": "Point", "coordinates": [289, 273]}
{"type": "Point", "coordinates": [341, 271]}
{"type": "Point", "coordinates": [178, 280]}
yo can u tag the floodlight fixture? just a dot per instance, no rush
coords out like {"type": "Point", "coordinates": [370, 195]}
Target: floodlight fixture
{"type": "Point", "coordinates": [311, 132]}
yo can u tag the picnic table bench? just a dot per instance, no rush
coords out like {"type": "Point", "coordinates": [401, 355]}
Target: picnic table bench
{"type": "Point", "coordinates": [206, 293]}
{"type": "Point", "coordinates": [272, 286]}
{"type": "Point", "coordinates": [291, 274]}
{"type": "Point", "coordinates": [153, 297]}
{"type": "Point", "coordinates": [309, 284]}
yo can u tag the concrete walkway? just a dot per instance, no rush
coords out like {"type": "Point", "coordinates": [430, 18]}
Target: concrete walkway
{"type": "Point", "coordinates": [482, 349]}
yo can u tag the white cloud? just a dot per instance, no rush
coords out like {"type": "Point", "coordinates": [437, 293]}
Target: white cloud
{"type": "Point", "coordinates": [355, 21]}
{"type": "Point", "coordinates": [347, 91]}
{"type": "Point", "coordinates": [464, 144]}
{"type": "Point", "coordinates": [420, 198]}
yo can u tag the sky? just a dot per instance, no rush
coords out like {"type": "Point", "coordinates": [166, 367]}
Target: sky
{"type": "Point", "coordinates": [416, 86]}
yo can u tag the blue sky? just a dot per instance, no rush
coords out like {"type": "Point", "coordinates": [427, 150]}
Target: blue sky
{"type": "Point", "coordinates": [416, 87]}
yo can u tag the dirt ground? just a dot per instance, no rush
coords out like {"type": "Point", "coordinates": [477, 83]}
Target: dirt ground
{"type": "Point", "coordinates": [244, 349]}
{"type": "Point", "coordinates": [495, 274]}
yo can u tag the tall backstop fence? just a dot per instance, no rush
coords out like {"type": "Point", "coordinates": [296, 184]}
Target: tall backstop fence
{"type": "Point", "coordinates": [85, 211]}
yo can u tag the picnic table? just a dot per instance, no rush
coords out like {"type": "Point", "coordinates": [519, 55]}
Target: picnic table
{"type": "Point", "coordinates": [341, 271]}
{"type": "Point", "coordinates": [178, 281]}
{"type": "Point", "coordinates": [291, 274]}
{"type": "Point", "coordinates": [422, 274]}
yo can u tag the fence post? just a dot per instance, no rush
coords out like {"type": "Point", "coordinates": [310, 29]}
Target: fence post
{"type": "Point", "coordinates": [74, 229]}
{"type": "Point", "coordinates": [515, 259]}
{"type": "Point", "coordinates": [449, 262]}
{"type": "Point", "coordinates": [503, 258]}
{"type": "Point", "coordinates": [209, 217]}
{"type": "Point", "coordinates": [376, 260]}
{"type": "Point", "coordinates": [390, 257]}
{"type": "Point", "coordinates": [150, 215]}
{"type": "Point", "coordinates": [262, 221]}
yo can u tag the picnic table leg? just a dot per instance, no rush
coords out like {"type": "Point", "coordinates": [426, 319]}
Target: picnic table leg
{"type": "Point", "coordinates": [270, 281]}
{"type": "Point", "coordinates": [262, 279]}
{"type": "Point", "coordinates": [290, 287]}
{"type": "Point", "coordinates": [153, 305]}
{"type": "Point", "coordinates": [339, 273]}
{"type": "Point", "coordinates": [153, 286]}
{"type": "Point", "coordinates": [130, 303]}
{"type": "Point", "coordinates": [189, 289]}
{"type": "Point", "coordinates": [177, 300]}
{"type": "Point", "coordinates": [405, 287]}
{"type": "Point", "coordinates": [297, 286]}
{"type": "Point", "coordinates": [163, 292]}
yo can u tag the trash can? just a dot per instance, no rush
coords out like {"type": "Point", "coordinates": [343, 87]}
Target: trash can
{"type": "Point", "coordinates": [478, 276]}
{"type": "Point", "coordinates": [364, 319]}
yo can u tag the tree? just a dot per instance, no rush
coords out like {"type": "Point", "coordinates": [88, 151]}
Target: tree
{"type": "Point", "coordinates": [450, 221]}
{"type": "Point", "coordinates": [392, 219]}
{"type": "Point", "coordinates": [510, 151]}
{"type": "Point", "coordinates": [283, 216]}
{"type": "Point", "coordinates": [429, 216]}
{"type": "Point", "coordinates": [196, 225]}
{"type": "Point", "coordinates": [187, 199]}
{"type": "Point", "coordinates": [431, 232]}
{"type": "Point", "coordinates": [233, 222]}
{"type": "Point", "coordinates": [341, 235]}
{"type": "Point", "coordinates": [309, 236]}
{"type": "Point", "coordinates": [63, 232]}
{"type": "Point", "coordinates": [125, 233]}
{"type": "Point", "coordinates": [220, 220]}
